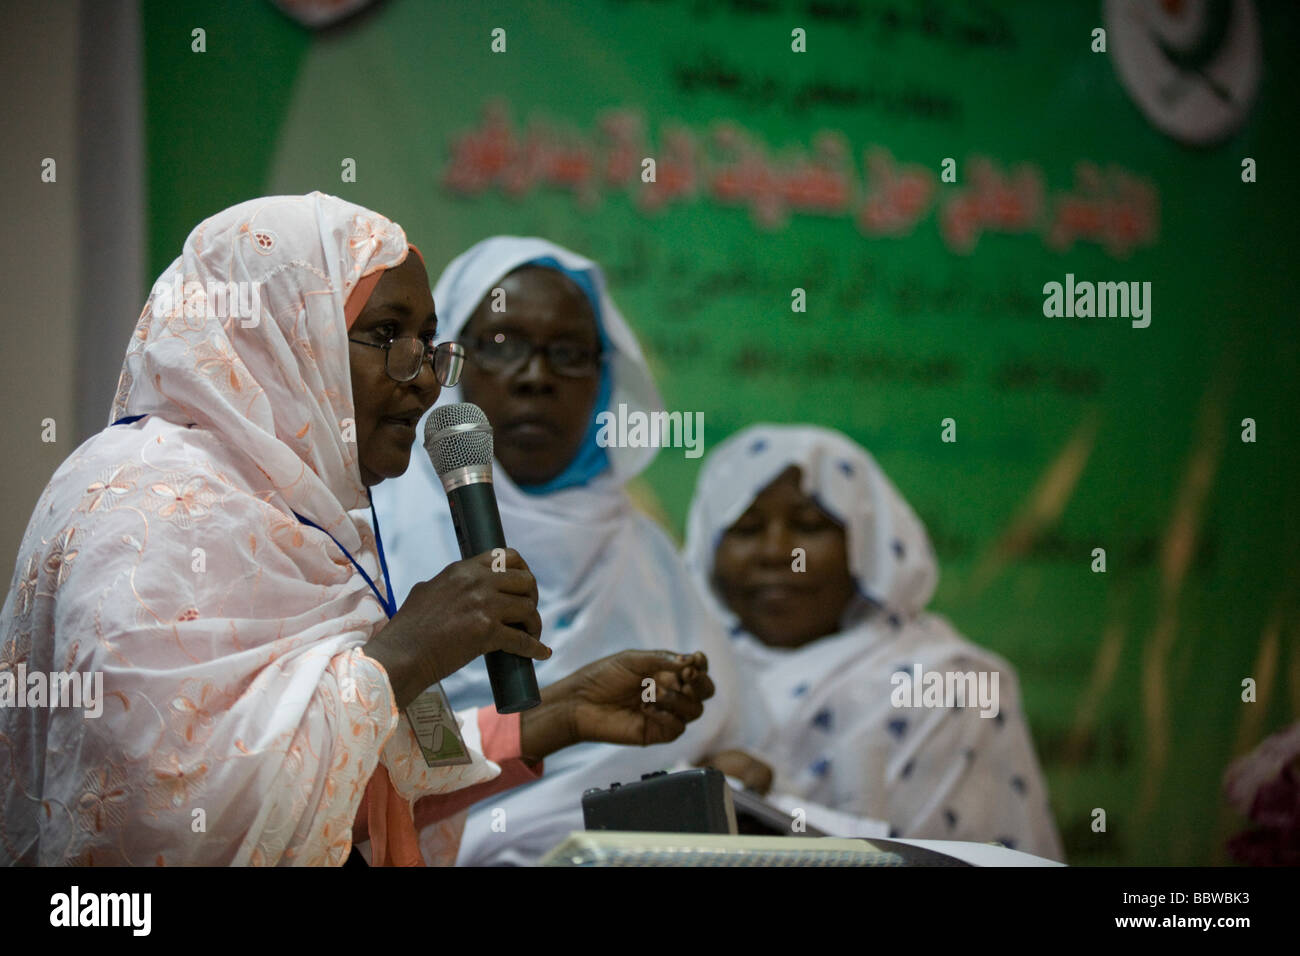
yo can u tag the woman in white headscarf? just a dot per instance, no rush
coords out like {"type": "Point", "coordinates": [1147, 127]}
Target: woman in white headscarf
{"type": "Point", "coordinates": [821, 572]}
{"type": "Point", "coordinates": [548, 351]}
{"type": "Point", "coordinates": [194, 571]}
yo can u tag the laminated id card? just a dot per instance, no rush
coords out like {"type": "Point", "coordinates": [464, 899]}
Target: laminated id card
{"type": "Point", "coordinates": [437, 729]}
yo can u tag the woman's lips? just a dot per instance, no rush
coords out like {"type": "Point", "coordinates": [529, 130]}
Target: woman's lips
{"type": "Point", "coordinates": [400, 424]}
{"type": "Point", "coordinates": [530, 431]}
{"type": "Point", "coordinates": [777, 596]}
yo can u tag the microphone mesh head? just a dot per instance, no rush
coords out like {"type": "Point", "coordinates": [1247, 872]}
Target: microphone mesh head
{"type": "Point", "coordinates": [456, 436]}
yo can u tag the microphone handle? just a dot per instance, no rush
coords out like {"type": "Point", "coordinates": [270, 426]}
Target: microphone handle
{"type": "Point", "coordinates": [477, 522]}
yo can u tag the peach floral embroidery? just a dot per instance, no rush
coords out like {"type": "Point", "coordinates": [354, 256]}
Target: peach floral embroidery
{"type": "Point", "coordinates": [217, 359]}
{"type": "Point", "coordinates": [303, 346]}
{"type": "Point", "coordinates": [61, 556]}
{"type": "Point", "coordinates": [103, 799]}
{"type": "Point", "coordinates": [173, 783]}
{"type": "Point", "coordinates": [182, 500]}
{"type": "Point", "coordinates": [196, 709]}
{"type": "Point", "coordinates": [104, 492]}
{"type": "Point", "coordinates": [15, 652]}
{"type": "Point", "coordinates": [190, 315]}
{"type": "Point", "coordinates": [88, 857]}
{"type": "Point", "coordinates": [124, 383]}
{"type": "Point", "coordinates": [286, 530]}
{"type": "Point", "coordinates": [364, 238]}
{"type": "Point", "coordinates": [27, 586]}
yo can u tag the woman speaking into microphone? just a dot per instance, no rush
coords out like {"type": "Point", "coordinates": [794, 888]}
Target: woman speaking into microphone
{"type": "Point", "coordinates": [198, 557]}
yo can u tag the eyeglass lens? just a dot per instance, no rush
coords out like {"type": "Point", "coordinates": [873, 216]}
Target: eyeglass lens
{"type": "Point", "coordinates": [405, 356]}
{"type": "Point", "coordinates": [500, 352]}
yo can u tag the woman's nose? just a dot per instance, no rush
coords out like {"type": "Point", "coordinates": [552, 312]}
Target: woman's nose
{"type": "Point", "coordinates": [776, 543]}
{"type": "Point", "coordinates": [427, 384]}
{"type": "Point", "coordinates": [535, 371]}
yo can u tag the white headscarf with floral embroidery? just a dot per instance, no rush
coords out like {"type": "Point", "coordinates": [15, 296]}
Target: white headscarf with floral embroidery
{"type": "Point", "coordinates": [240, 723]}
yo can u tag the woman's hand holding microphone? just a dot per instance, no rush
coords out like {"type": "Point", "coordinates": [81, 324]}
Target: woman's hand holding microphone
{"type": "Point", "coordinates": [635, 697]}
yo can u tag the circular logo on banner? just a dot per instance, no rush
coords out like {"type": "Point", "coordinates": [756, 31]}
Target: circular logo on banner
{"type": "Point", "coordinates": [1192, 66]}
{"type": "Point", "coordinates": [320, 13]}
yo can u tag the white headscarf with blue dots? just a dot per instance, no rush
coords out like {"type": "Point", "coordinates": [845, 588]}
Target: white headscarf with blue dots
{"type": "Point", "coordinates": [890, 556]}
{"type": "Point", "coordinates": [821, 715]}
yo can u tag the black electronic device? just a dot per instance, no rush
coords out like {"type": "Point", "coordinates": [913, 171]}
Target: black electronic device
{"type": "Point", "coordinates": [690, 801]}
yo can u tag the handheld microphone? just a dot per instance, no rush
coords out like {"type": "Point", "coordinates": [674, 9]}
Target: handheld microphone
{"type": "Point", "coordinates": [458, 439]}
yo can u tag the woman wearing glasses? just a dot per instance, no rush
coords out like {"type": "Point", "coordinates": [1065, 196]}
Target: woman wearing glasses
{"type": "Point", "coordinates": [547, 350]}
{"type": "Point", "coordinates": [194, 571]}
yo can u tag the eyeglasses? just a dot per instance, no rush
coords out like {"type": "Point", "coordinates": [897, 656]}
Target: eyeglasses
{"type": "Point", "coordinates": [507, 353]}
{"type": "Point", "coordinates": [405, 356]}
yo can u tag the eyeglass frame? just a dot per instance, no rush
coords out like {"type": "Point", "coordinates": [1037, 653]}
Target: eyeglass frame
{"type": "Point", "coordinates": [471, 347]}
{"type": "Point", "coordinates": [430, 356]}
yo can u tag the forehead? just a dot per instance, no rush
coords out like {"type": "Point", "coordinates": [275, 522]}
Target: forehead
{"type": "Point", "coordinates": [783, 490]}
{"type": "Point", "coordinates": [405, 284]}
{"type": "Point", "coordinates": [537, 295]}
{"type": "Point", "coordinates": [783, 498]}
{"type": "Point", "coordinates": [788, 480]}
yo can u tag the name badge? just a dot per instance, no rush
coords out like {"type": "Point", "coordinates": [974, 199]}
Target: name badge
{"type": "Point", "coordinates": [437, 729]}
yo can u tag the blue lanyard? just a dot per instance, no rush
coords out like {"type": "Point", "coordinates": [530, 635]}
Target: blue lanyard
{"type": "Point", "coordinates": [390, 608]}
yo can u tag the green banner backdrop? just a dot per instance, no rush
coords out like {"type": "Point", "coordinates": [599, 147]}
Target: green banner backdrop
{"type": "Point", "coordinates": [816, 179]}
